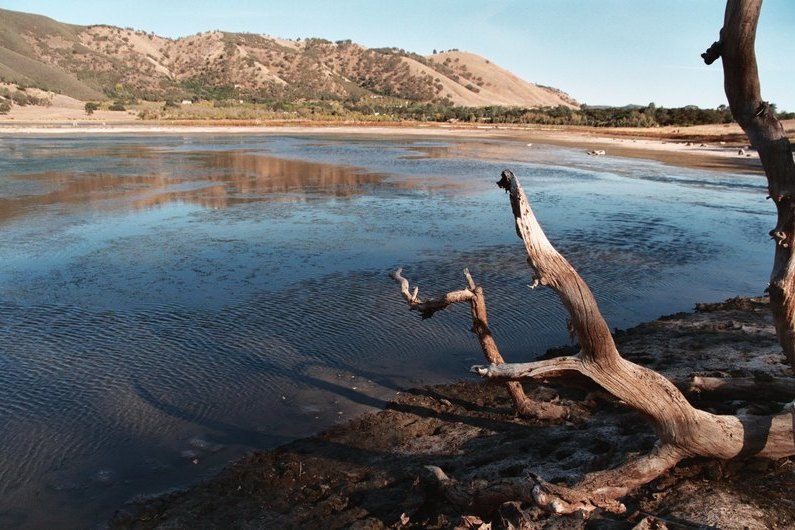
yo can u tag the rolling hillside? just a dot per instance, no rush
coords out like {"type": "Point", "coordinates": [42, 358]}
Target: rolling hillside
{"type": "Point", "coordinates": [105, 62]}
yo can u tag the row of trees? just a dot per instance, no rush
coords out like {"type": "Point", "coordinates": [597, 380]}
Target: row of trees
{"type": "Point", "coordinates": [91, 106]}
{"type": "Point", "coordinates": [387, 108]}
{"type": "Point", "coordinates": [629, 116]}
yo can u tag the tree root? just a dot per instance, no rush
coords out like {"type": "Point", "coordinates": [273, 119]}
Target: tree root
{"type": "Point", "coordinates": [595, 491]}
{"type": "Point", "coordinates": [781, 389]}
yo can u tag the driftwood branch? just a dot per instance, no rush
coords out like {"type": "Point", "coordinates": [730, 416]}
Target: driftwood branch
{"type": "Point", "coordinates": [428, 307]}
{"type": "Point", "coordinates": [551, 269]}
{"type": "Point", "coordinates": [534, 370]}
{"type": "Point", "coordinates": [684, 431]}
{"type": "Point", "coordinates": [715, 388]}
{"type": "Point", "coordinates": [474, 295]}
{"type": "Point", "coordinates": [600, 490]}
{"type": "Point", "coordinates": [765, 133]}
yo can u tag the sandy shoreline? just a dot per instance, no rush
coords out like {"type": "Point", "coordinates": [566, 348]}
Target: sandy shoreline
{"type": "Point", "coordinates": [715, 148]}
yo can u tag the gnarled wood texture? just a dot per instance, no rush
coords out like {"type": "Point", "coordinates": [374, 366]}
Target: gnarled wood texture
{"type": "Point", "coordinates": [765, 133]}
{"type": "Point", "coordinates": [684, 431]}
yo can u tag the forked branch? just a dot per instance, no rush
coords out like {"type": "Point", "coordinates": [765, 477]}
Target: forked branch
{"type": "Point", "coordinates": [684, 431]}
{"type": "Point", "coordinates": [473, 294]}
{"type": "Point", "coordinates": [429, 306]}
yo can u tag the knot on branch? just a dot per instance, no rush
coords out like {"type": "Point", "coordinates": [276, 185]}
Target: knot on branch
{"type": "Point", "coordinates": [762, 109]}
{"type": "Point", "coordinates": [482, 371]}
{"type": "Point", "coordinates": [510, 184]}
{"type": "Point", "coordinates": [506, 179]}
{"type": "Point", "coordinates": [713, 52]}
{"type": "Point", "coordinates": [780, 237]}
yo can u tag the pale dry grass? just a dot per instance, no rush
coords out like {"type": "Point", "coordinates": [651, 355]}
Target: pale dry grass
{"type": "Point", "coordinates": [496, 85]}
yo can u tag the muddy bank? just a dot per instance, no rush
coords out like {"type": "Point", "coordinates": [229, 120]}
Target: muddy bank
{"type": "Point", "coordinates": [712, 147]}
{"type": "Point", "coordinates": [370, 473]}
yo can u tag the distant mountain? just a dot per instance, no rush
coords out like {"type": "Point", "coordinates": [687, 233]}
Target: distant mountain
{"type": "Point", "coordinates": [101, 62]}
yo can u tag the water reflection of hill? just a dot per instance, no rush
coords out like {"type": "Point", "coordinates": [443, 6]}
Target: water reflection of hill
{"type": "Point", "coordinates": [256, 174]}
{"type": "Point", "coordinates": [208, 179]}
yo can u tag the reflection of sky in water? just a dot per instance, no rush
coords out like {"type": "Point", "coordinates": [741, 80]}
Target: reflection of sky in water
{"type": "Point", "coordinates": [160, 291]}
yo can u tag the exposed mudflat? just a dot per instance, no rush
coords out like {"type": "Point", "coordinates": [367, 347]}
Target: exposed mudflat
{"type": "Point", "coordinates": [370, 473]}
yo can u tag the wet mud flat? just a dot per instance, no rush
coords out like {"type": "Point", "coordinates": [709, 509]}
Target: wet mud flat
{"type": "Point", "coordinates": [371, 472]}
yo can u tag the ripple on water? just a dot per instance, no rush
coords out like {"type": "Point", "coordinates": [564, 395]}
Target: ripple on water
{"type": "Point", "coordinates": [196, 300]}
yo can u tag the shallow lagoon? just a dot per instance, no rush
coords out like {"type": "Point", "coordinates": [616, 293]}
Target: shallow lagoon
{"type": "Point", "coordinates": [169, 303]}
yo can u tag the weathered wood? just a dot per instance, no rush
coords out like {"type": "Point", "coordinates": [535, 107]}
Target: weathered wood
{"type": "Point", "coordinates": [684, 431]}
{"type": "Point", "coordinates": [480, 326]}
{"type": "Point", "coordinates": [717, 388]}
{"type": "Point", "coordinates": [428, 307]}
{"type": "Point", "coordinates": [524, 406]}
{"type": "Point", "coordinates": [552, 269]}
{"type": "Point", "coordinates": [600, 490]}
{"type": "Point", "coordinates": [765, 133]}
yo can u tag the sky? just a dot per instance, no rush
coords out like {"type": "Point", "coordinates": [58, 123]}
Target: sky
{"type": "Point", "coordinates": [605, 52]}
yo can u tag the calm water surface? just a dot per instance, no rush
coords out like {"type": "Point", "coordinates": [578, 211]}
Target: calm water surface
{"type": "Point", "coordinates": [170, 303]}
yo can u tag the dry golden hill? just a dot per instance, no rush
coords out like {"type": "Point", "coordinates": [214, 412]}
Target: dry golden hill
{"type": "Point", "coordinates": [89, 62]}
{"type": "Point", "coordinates": [479, 82]}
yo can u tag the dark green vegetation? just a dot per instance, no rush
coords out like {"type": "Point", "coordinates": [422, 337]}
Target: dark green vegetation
{"type": "Point", "coordinates": [630, 116]}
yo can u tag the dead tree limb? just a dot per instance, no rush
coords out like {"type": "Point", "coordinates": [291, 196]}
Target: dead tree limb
{"type": "Point", "coordinates": [428, 307]}
{"type": "Point", "coordinates": [719, 388]}
{"type": "Point", "coordinates": [765, 133]}
{"type": "Point", "coordinates": [684, 431]}
{"type": "Point", "coordinates": [600, 490]}
{"type": "Point", "coordinates": [473, 294]}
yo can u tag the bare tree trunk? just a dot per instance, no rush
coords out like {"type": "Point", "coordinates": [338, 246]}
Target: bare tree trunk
{"type": "Point", "coordinates": [765, 133]}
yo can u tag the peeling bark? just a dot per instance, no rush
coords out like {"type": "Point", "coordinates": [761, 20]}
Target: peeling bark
{"type": "Point", "coordinates": [765, 133]}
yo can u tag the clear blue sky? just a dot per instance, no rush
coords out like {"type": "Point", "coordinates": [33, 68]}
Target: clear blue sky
{"type": "Point", "coordinates": [610, 52]}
